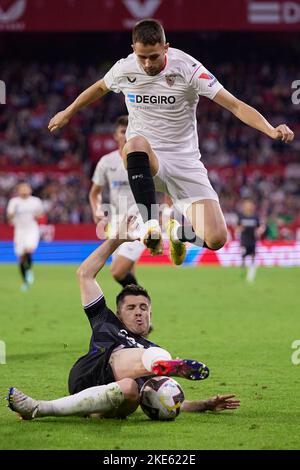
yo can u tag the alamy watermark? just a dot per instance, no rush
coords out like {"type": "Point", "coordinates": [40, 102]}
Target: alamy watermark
{"type": "Point", "coordinates": [296, 94]}
{"type": "Point", "coordinates": [2, 352]}
{"type": "Point", "coordinates": [295, 357]}
{"type": "Point", "coordinates": [110, 223]}
{"type": "Point", "coordinates": [2, 92]}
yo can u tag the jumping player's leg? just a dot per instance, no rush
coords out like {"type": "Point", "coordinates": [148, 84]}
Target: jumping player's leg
{"type": "Point", "coordinates": [208, 223]}
{"type": "Point", "coordinates": [122, 269]}
{"type": "Point", "coordinates": [193, 195]}
{"type": "Point", "coordinates": [208, 229]}
{"type": "Point", "coordinates": [142, 164]}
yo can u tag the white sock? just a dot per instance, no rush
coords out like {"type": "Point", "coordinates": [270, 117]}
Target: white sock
{"type": "Point", "coordinates": [92, 400]}
{"type": "Point", "coordinates": [150, 224]}
{"type": "Point", "coordinates": [251, 271]}
{"type": "Point", "coordinates": [174, 234]}
{"type": "Point", "coordinates": [152, 355]}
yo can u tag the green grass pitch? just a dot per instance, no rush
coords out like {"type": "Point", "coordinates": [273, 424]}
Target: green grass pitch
{"type": "Point", "coordinates": [242, 332]}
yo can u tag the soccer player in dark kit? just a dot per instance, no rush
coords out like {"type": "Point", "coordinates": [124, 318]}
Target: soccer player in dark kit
{"type": "Point", "coordinates": [249, 230]}
{"type": "Point", "coordinates": [106, 382]}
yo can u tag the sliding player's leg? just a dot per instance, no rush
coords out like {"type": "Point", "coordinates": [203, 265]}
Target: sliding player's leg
{"type": "Point", "coordinates": [98, 400]}
{"type": "Point", "coordinates": [135, 363]}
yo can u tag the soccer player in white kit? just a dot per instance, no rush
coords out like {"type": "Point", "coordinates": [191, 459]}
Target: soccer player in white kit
{"type": "Point", "coordinates": [110, 171]}
{"type": "Point", "coordinates": [22, 212]}
{"type": "Point", "coordinates": [162, 86]}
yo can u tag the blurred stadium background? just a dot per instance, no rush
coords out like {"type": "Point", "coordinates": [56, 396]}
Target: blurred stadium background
{"type": "Point", "coordinates": [47, 59]}
{"type": "Point", "coordinates": [50, 50]}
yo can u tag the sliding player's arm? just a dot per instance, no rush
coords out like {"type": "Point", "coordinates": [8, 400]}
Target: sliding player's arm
{"type": "Point", "coordinates": [217, 403]}
{"type": "Point", "coordinates": [88, 270]}
{"type": "Point", "coordinates": [252, 117]}
{"type": "Point", "coordinates": [91, 94]}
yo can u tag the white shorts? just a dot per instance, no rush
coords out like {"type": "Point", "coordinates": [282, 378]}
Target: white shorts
{"type": "Point", "coordinates": [26, 241]}
{"type": "Point", "coordinates": [130, 250]}
{"type": "Point", "coordinates": [185, 180]}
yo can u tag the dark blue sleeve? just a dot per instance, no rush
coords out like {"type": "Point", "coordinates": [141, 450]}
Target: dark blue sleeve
{"type": "Point", "coordinates": [97, 308]}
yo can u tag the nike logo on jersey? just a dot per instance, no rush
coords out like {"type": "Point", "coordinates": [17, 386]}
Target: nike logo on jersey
{"type": "Point", "coordinates": [131, 80]}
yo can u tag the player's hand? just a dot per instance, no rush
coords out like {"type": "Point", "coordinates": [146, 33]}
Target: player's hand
{"type": "Point", "coordinates": [128, 229]}
{"type": "Point", "coordinates": [58, 121]}
{"type": "Point", "coordinates": [101, 220]}
{"type": "Point", "coordinates": [222, 402]}
{"type": "Point", "coordinates": [283, 133]}
{"type": "Point", "coordinates": [100, 215]}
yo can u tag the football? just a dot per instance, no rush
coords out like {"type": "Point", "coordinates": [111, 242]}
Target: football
{"type": "Point", "coordinates": [161, 398]}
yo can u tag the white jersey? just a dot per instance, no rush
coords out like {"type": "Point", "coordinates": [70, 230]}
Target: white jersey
{"type": "Point", "coordinates": [24, 212]}
{"type": "Point", "coordinates": [110, 170]}
{"type": "Point", "coordinates": [162, 108]}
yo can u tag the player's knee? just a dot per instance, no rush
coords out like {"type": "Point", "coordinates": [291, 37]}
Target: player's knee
{"type": "Point", "coordinates": [130, 389]}
{"type": "Point", "coordinates": [217, 239]}
{"type": "Point", "coordinates": [136, 144]}
{"type": "Point", "coordinates": [117, 273]}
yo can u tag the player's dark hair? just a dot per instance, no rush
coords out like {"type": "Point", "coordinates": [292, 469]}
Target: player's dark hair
{"type": "Point", "coordinates": [148, 32]}
{"type": "Point", "coordinates": [122, 121]}
{"type": "Point", "coordinates": [131, 289]}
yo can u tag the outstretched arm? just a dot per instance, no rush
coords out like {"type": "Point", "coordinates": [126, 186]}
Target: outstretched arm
{"type": "Point", "coordinates": [217, 403]}
{"type": "Point", "coordinates": [252, 117]}
{"type": "Point", "coordinates": [88, 270]}
{"type": "Point", "coordinates": [95, 198]}
{"type": "Point", "coordinates": [94, 92]}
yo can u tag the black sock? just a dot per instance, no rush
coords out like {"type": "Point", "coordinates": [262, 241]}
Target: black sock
{"type": "Point", "coordinates": [185, 233]}
{"type": "Point", "coordinates": [141, 183]}
{"type": "Point", "coordinates": [128, 279]}
{"type": "Point", "coordinates": [28, 260]}
{"type": "Point", "coordinates": [23, 270]}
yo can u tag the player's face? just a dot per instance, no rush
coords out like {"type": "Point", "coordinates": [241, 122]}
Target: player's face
{"type": "Point", "coordinates": [151, 58]}
{"type": "Point", "coordinates": [248, 208]}
{"type": "Point", "coordinates": [119, 136]}
{"type": "Point", "coordinates": [135, 313]}
{"type": "Point", "coordinates": [24, 190]}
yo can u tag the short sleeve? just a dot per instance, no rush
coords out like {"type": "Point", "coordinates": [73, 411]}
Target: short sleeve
{"type": "Point", "coordinates": [111, 78]}
{"type": "Point", "coordinates": [204, 82]}
{"type": "Point", "coordinates": [99, 176]}
{"type": "Point", "coordinates": [11, 207]}
{"type": "Point", "coordinates": [39, 208]}
{"type": "Point", "coordinates": [97, 308]}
